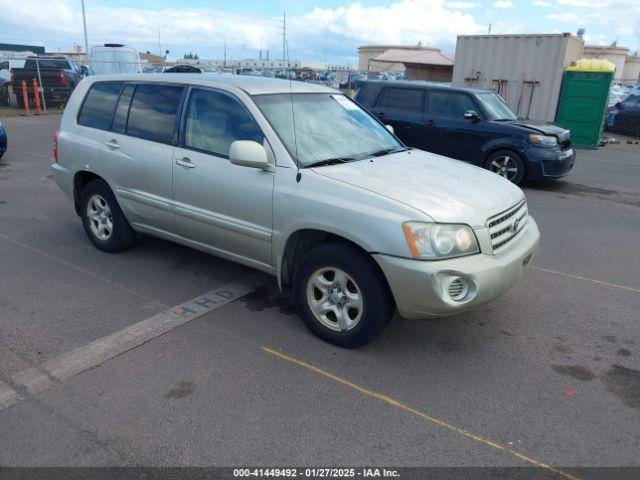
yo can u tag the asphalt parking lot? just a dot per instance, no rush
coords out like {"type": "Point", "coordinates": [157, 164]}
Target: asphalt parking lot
{"type": "Point", "coordinates": [546, 376]}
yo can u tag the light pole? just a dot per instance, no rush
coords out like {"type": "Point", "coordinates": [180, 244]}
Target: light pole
{"type": "Point", "coordinates": [84, 25]}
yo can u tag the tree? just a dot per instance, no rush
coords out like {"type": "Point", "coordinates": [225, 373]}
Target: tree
{"type": "Point", "coordinates": [190, 56]}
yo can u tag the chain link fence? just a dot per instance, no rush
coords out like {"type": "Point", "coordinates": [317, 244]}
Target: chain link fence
{"type": "Point", "coordinates": [623, 112]}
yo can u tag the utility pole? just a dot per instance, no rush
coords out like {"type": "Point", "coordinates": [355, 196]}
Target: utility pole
{"type": "Point", "coordinates": [284, 39]}
{"type": "Point", "coordinates": [84, 25]}
{"type": "Point", "coordinates": [489, 29]}
{"type": "Point", "coordinates": [224, 62]}
{"type": "Point", "coordinates": [159, 44]}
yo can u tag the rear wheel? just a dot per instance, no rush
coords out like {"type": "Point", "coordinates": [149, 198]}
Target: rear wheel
{"type": "Point", "coordinates": [341, 295]}
{"type": "Point", "coordinates": [103, 221]}
{"type": "Point", "coordinates": [507, 164]}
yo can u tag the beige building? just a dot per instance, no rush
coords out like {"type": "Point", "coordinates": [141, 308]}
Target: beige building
{"type": "Point", "coordinates": [615, 54]}
{"type": "Point", "coordinates": [367, 53]}
{"type": "Point", "coordinates": [631, 72]}
{"type": "Point", "coordinates": [429, 65]}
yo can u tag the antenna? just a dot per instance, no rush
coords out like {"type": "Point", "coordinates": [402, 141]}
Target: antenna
{"type": "Point", "coordinates": [293, 114]}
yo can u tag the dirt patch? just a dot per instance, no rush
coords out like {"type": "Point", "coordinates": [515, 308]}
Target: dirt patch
{"type": "Point", "coordinates": [183, 389]}
{"type": "Point", "coordinates": [624, 383]}
{"type": "Point", "coordinates": [576, 371]}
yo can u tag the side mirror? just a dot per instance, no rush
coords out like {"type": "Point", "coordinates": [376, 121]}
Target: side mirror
{"type": "Point", "coordinates": [248, 153]}
{"type": "Point", "coordinates": [390, 128]}
{"type": "Point", "coordinates": [471, 115]}
{"type": "Point", "coordinates": [618, 105]}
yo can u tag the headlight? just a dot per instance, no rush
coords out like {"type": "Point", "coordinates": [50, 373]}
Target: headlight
{"type": "Point", "coordinates": [544, 140]}
{"type": "Point", "coordinates": [431, 241]}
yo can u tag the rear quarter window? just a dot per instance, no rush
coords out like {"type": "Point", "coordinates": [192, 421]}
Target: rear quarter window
{"type": "Point", "coordinates": [98, 105]}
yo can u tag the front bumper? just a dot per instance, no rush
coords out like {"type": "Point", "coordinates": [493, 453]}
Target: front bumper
{"type": "Point", "coordinates": [549, 162]}
{"type": "Point", "coordinates": [420, 288]}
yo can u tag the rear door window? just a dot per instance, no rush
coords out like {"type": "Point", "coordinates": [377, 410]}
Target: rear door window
{"type": "Point", "coordinates": [401, 99]}
{"type": "Point", "coordinates": [215, 120]}
{"type": "Point", "coordinates": [153, 111]}
{"type": "Point", "coordinates": [449, 104]}
{"type": "Point", "coordinates": [98, 105]}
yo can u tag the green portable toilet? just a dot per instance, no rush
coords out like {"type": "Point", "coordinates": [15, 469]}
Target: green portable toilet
{"type": "Point", "coordinates": [583, 100]}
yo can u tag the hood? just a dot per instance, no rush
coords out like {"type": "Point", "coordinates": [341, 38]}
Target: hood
{"type": "Point", "coordinates": [544, 128]}
{"type": "Point", "coordinates": [448, 191]}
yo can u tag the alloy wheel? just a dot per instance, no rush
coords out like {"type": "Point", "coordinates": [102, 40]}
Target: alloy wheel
{"type": "Point", "coordinates": [100, 217]}
{"type": "Point", "coordinates": [335, 299]}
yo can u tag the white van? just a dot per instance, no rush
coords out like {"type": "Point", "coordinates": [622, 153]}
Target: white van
{"type": "Point", "coordinates": [114, 58]}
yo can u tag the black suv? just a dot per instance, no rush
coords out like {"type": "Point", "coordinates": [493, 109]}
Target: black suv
{"type": "Point", "coordinates": [469, 124]}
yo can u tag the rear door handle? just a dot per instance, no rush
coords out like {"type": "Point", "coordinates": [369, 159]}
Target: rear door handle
{"type": "Point", "coordinates": [431, 123]}
{"type": "Point", "coordinates": [381, 115]}
{"type": "Point", "coordinates": [185, 162]}
{"type": "Point", "coordinates": [112, 143]}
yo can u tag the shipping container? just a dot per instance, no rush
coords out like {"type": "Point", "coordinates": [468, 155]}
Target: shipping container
{"type": "Point", "coordinates": [526, 70]}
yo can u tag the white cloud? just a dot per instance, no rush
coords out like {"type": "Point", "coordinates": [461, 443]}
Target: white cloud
{"type": "Point", "coordinates": [503, 4]}
{"type": "Point", "coordinates": [566, 17]}
{"type": "Point", "coordinates": [575, 3]}
{"type": "Point", "coordinates": [542, 3]}
{"type": "Point", "coordinates": [462, 5]}
{"type": "Point", "coordinates": [185, 28]}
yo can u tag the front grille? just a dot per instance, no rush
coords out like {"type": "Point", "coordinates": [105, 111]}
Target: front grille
{"type": "Point", "coordinates": [506, 226]}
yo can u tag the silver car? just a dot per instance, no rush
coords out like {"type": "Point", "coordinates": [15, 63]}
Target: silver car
{"type": "Point", "coordinates": [298, 181]}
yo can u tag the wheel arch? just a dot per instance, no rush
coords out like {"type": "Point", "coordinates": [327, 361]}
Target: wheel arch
{"type": "Point", "coordinates": [80, 179]}
{"type": "Point", "coordinates": [303, 240]}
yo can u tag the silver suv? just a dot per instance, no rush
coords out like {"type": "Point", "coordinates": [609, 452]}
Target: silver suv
{"type": "Point", "coordinates": [298, 181]}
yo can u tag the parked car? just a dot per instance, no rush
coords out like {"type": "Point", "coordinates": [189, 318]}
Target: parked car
{"type": "Point", "coordinates": [59, 77]}
{"type": "Point", "coordinates": [337, 207]}
{"type": "Point", "coordinates": [5, 83]}
{"type": "Point", "coordinates": [3, 140]}
{"type": "Point", "coordinates": [182, 69]}
{"type": "Point", "coordinates": [473, 125]}
{"type": "Point", "coordinates": [624, 117]}
{"type": "Point", "coordinates": [114, 58]}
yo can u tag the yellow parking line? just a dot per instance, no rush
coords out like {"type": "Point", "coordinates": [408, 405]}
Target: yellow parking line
{"type": "Point", "coordinates": [587, 279]}
{"type": "Point", "coordinates": [418, 413]}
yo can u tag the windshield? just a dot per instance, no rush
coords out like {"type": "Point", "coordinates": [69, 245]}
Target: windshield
{"type": "Point", "coordinates": [495, 107]}
{"type": "Point", "coordinates": [327, 126]}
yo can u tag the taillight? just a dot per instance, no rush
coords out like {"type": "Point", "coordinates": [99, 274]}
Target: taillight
{"type": "Point", "coordinates": [55, 145]}
{"type": "Point", "coordinates": [63, 79]}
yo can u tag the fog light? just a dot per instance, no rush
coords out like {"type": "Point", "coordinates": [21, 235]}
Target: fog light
{"type": "Point", "coordinates": [458, 288]}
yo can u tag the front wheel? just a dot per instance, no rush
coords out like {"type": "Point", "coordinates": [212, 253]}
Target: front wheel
{"type": "Point", "coordinates": [507, 164]}
{"type": "Point", "coordinates": [341, 295]}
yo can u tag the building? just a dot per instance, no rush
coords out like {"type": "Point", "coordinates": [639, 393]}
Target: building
{"type": "Point", "coordinates": [11, 49]}
{"type": "Point", "coordinates": [631, 72]}
{"type": "Point", "coordinates": [367, 53]}
{"type": "Point", "coordinates": [526, 70]}
{"type": "Point", "coordinates": [615, 54]}
{"type": "Point", "coordinates": [428, 64]}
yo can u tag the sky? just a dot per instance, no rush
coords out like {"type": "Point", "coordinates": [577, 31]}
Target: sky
{"type": "Point", "coordinates": [317, 30]}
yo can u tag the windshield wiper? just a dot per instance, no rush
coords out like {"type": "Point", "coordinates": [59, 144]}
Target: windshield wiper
{"type": "Point", "coordinates": [330, 161]}
{"type": "Point", "coordinates": [387, 151]}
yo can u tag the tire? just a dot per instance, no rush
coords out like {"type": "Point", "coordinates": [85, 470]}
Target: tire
{"type": "Point", "coordinates": [326, 276]}
{"type": "Point", "coordinates": [503, 162]}
{"type": "Point", "coordinates": [103, 220]}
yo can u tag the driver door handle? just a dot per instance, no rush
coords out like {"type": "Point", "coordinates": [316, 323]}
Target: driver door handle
{"type": "Point", "coordinates": [113, 143]}
{"type": "Point", "coordinates": [185, 162]}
